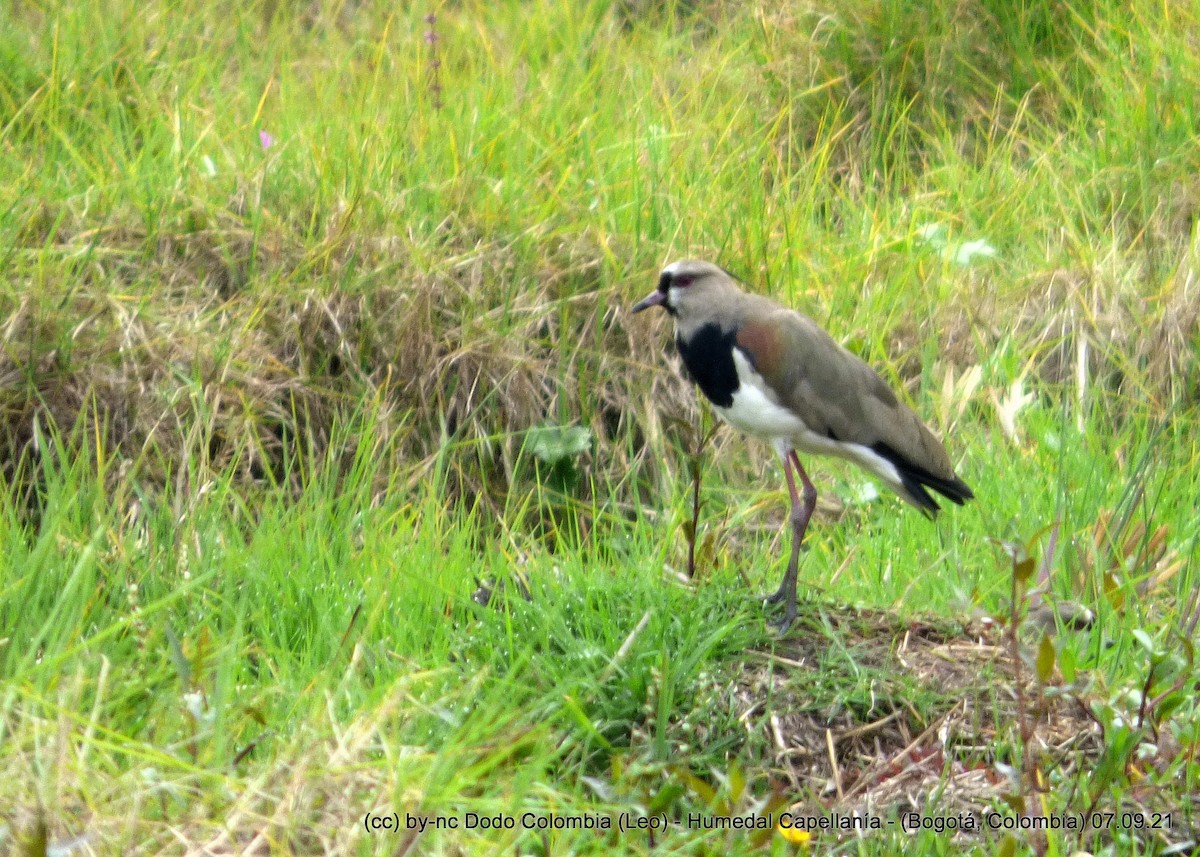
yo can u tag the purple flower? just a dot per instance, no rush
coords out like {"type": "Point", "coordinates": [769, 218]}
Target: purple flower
{"type": "Point", "coordinates": [265, 140]}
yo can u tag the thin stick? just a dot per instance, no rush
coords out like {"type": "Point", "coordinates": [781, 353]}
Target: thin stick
{"type": "Point", "coordinates": [868, 728]}
{"type": "Point", "coordinates": [777, 734]}
{"type": "Point", "coordinates": [864, 780]}
{"type": "Point", "coordinates": [625, 647]}
{"type": "Point", "coordinates": [837, 772]}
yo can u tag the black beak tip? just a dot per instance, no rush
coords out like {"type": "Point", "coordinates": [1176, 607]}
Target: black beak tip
{"type": "Point", "coordinates": [654, 299]}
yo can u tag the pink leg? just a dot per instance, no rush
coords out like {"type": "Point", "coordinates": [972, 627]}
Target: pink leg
{"type": "Point", "coordinates": [801, 514]}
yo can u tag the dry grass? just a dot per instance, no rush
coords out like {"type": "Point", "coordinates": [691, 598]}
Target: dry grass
{"type": "Point", "coordinates": [472, 353]}
{"type": "Point", "coordinates": [264, 411]}
{"type": "Point", "coordinates": [941, 734]}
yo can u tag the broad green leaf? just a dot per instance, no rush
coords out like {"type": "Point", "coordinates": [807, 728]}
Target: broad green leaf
{"type": "Point", "coordinates": [553, 444]}
{"type": "Point", "coordinates": [1045, 659]}
{"type": "Point", "coordinates": [1008, 846]}
{"type": "Point", "coordinates": [967, 252]}
{"type": "Point", "coordinates": [1145, 639]}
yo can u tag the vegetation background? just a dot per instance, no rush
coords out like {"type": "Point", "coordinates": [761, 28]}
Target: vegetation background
{"type": "Point", "coordinates": [313, 335]}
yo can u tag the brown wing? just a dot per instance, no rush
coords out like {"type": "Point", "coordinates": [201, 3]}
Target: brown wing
{"type": "Point", "coordinates": [841, 397]}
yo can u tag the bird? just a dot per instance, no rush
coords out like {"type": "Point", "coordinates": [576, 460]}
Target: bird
{"type": "Point", "coordinates": [775, 374]}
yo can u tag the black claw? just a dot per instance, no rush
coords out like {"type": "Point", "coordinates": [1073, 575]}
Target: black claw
{"type": "Point", "coordinates": [789, 616]}
{"type": "Point", "coordinates": [788, 596]}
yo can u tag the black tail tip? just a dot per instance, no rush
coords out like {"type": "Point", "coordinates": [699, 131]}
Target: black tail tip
{"type": "Point", "coordinates": [916, 479]}
{"type": "Point", "coordinates": [954, 490]}
{"type": "Point", "coordinates": [958, 491]}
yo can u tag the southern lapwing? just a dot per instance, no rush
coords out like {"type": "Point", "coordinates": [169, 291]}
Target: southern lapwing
{"type": "Point", "coordinates": [775, 374]}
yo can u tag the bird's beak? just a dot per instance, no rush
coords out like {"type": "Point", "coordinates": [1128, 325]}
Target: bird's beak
{"type": "Point", "coordinates": [653, 299]}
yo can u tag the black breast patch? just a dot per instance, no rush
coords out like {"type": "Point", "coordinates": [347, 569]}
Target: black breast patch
{"type": "Point", "coordinates": [708, 358]}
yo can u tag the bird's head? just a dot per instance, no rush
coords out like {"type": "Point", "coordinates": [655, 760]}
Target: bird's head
{"type": "Point", "coordinates": [688, 287]}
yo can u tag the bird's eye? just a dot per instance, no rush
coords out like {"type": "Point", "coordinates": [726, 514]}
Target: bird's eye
{"type": "Point", "coordinates": [682, 280]}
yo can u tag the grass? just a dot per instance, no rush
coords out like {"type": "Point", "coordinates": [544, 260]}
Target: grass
{"type": "Point", "coordinates": [276, 411]}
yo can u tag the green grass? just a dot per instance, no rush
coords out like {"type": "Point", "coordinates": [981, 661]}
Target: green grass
{"type": "Point", "coordinates": [265, 417]}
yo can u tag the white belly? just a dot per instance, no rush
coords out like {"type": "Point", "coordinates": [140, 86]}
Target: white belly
{"type": "Point", "coordinates": [754, 413]}
{"type": "Point", "coordinates": [755, 410]}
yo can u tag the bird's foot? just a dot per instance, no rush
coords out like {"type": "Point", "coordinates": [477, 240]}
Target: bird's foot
{"type": "Point", "coordinates": [781, 625]}
{"type": "Point", "coordinates": [785, 595]}
{"type": "Point", "coordinates": [775, 597]}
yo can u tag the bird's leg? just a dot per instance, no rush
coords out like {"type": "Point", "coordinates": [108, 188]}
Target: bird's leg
{"type": "Point", "coordinates": [801, 513]}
